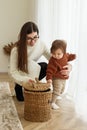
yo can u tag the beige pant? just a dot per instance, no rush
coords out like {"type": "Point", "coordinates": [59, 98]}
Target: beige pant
{"type": "Point", "coordinates": [58, 88]}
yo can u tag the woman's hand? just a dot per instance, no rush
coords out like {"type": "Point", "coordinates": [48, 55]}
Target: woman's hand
{"type": "Point", "coordinates": [66, 70]}
{"type": "Point", "coordinates": [31, 81]}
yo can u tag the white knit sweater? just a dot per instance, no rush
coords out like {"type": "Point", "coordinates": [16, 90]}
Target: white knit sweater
{"type": "Point", "coordinates": [34, 53]}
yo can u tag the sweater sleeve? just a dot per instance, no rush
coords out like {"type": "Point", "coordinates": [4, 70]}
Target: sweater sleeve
{"type": "Point", "coordinates": [19, 76]}
{"type": "Point", "coordinates": [46, 51]}
{"type": "Point", "coordinates": [71, 56]}
{"type": "Point", "coordinates": [51, 69]}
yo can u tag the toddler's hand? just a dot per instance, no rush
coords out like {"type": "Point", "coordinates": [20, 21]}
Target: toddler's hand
{"type": "Point", "coordinates": [49, 81]}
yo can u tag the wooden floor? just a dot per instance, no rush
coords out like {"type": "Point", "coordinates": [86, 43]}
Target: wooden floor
{"type": "Point", "coordinates": [66, 118]}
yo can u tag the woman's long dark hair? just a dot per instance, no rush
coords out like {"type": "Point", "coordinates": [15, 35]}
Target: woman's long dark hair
{"type": "Point", "coordinates": [27, 28]}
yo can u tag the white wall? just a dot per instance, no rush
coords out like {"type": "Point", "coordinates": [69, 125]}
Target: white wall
{"type": "Point", "coordinates": [13, 14]}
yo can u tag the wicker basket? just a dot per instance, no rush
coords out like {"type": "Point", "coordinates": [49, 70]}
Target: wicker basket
{"type": "Point", "coordinates": [37, 105]}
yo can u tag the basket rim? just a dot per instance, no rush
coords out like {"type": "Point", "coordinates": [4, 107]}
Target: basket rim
{"type": "Point", "coordinates": [37, 91]}
{"type": "Point", "coordinates": [36, 86]}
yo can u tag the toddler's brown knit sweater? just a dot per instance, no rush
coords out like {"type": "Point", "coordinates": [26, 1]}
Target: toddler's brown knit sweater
{"type": "Point", "coordinates": [56, 65]}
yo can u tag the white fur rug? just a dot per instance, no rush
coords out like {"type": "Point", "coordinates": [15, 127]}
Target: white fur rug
{"type": "Point", "coordinates": [9, 119]}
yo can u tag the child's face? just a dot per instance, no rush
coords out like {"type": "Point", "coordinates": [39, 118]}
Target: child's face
{"type": "Point", "coordinates": [58, 54]}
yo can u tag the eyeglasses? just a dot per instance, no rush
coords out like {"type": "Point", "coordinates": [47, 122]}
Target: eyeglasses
{"type": "Point", "coordinates": [30, 39]}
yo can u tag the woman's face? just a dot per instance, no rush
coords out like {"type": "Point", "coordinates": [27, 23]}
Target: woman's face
{"type": "Point", "coordinates": [32, 38]}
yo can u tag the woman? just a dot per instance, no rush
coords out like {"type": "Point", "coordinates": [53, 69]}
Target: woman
{"type": "Point", "coordinates": [24, 58]}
